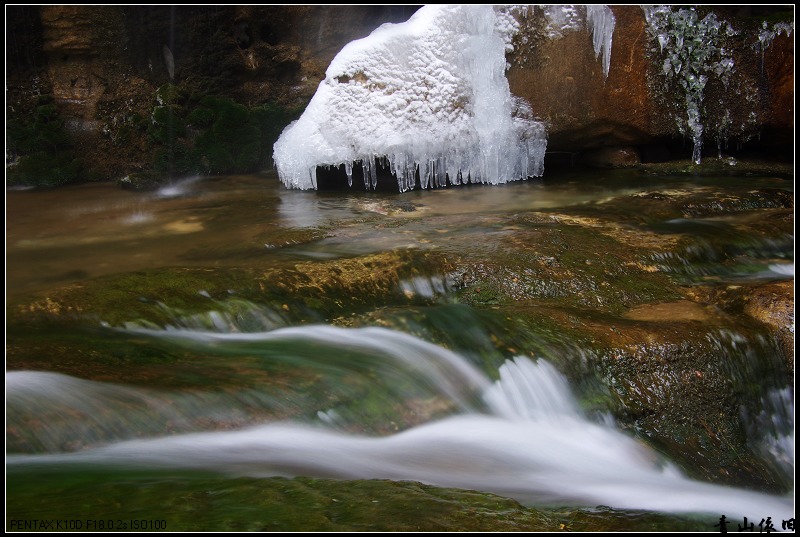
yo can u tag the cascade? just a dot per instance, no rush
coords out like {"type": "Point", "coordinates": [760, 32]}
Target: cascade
{"type": "Point", "coordinates": [528, 439]}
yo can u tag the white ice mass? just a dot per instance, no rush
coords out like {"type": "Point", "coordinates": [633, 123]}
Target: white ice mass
{"type": "Point", "coordinates": [430, 96]}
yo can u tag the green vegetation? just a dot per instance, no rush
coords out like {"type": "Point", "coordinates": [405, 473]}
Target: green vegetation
{"type": "Point", "coordinates": [213, 135]}
{"type": "Point", "coordinates": [188, 133]}
{"type": "Point", "coordinates": [44, 152]}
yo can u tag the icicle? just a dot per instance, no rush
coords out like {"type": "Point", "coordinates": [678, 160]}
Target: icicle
{"type": "Point", "coordinates": [373, 174]}
{"type": "Point", "coordinates": [601, 20]}
{"type": "Point", "coordinates": [765, 36]}
{"type": "Point", "coordinates": [348, 169]}
{"type": "Point", "coordinates": [365, 167]}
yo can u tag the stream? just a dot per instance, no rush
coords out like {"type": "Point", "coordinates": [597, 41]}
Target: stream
{"type": "Point", "coordinates": [228, 354]}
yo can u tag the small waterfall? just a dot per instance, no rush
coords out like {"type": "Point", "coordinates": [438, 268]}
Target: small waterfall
{"type": "Point", "coordinates": [531, 391]}
{"type": "Point", "coordinates": [528, 440]}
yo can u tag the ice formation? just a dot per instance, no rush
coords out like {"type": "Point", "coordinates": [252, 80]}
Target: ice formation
{"type": "Point", "coordinates": [427, 96]}
{"type": "Point", "coordinates": [767, 34]}
{"type": "Point", "coordinates": [562, 19]}
{"type": "Point", "coordinates": [692, 50]}
{"type": "Point", "coordinates": [601, 20]}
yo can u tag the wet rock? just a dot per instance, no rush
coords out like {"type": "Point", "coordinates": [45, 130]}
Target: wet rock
{"type": "Point", "coordinates": [143, 181]}
{"type": "Point", "coordinates": [203, 503]}
{"type": "Point", "coordinates": [546, 258]}
{"type": "Point", "coordinates": [678, 361]}
{"type": "Point", "coordinates": [770, 303]}
{"type": "Point", "coordinates": [727, 203]}
{"type": "Point", "coordinates": [773, 304]}
{"type": "Point", "coordinates": [681, 311]}
{"type": "Point", "coordinates": [681, 394]}
{"type": "Point", "coordinates": [312, 290]}
{"type": "Point", "coordinates": [713, 166]}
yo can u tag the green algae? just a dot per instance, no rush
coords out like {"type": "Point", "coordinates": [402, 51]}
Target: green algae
{"type": "Point", "coordinates": [206, 503]}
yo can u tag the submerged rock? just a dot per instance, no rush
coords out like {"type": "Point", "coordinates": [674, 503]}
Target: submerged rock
{"type": "Point", "coordinates": [773, 304]}
{"type": "Point", "coordinates": [202, 503]}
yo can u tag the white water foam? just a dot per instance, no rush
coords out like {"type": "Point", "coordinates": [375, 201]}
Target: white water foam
{"type": "Point", "coordinates": [784, 269]}
{"type": "Point", "coordinates": [177, 189]}
{"type": "Point", "coordinates": [533, 445]}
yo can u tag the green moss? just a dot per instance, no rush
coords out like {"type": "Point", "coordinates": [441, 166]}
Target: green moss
{"type": "Point", "coordinates": [213, 135]}
{"type": "Point", "coordinates": [170, 94]}
{"type": "Point", "coordinates": [554, 265]}
{"type": "Point", "coordinates": [43, 149]}
{"type": "Point", "coordinates": [211, 503]}
{"type": "Point", "coordinates": [311, 290]}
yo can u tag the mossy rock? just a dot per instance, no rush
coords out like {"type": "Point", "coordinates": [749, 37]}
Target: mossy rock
{"type": "Point", "coordinates": [45, 169]}
{"type": "Point", "coordinates": [170, 94]}
{"type": "Point", "coordinates": [208, 503]}
{"type": "Point", "coordinates": [44, 149]}
{"type": "Point", "coordinates": [547, 260]}
{"type": "Point", "coordinates": [302, 292]}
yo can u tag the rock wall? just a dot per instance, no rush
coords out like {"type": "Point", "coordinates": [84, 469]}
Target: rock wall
{"type": "Point", "coordinates": [636, 104]}
{"type": "Point", "coordinates": [103, 64]}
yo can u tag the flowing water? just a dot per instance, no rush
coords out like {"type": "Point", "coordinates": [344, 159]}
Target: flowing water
{"type": "Point", "coordinates": [421, 387]}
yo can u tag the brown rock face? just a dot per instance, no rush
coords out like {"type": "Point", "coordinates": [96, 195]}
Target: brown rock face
{"type": "Point", "coordinates": [636, 104]}
{"type": "Point", "coordinates": [779, 73]}
{"type": "Point", "coordinates": [103, 64]}
{"type": "Point", "coordinates": [564, 83]}
{"type": "Point", "coordinates": [95, 91]}
{"type": "Point", "coordinates": [254, 53]}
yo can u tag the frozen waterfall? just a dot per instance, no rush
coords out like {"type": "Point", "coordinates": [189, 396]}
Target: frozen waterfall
{"type": "Point", "coordinates": [428, 97]}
